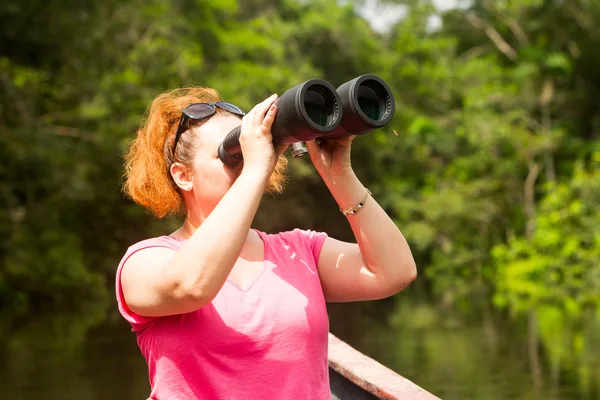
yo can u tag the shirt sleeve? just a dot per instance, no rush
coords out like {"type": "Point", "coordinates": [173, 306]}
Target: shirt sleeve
{"type": "Point", "coordinates": [138, 322]}
{"type": "Point", "coordinates": [314, 240]}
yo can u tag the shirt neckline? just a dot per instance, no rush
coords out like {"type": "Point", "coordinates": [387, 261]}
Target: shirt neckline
{"type": "Point", "coordinates": [263, 237]}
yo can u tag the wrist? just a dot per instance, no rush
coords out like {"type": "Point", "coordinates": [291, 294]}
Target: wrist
{"type": "Point", "coordinates": [256, 174]}
{"type": "Point", "coordinates": [353, 210]}
{"type": "Point", "coordinates": [347, 190]}
{"type": "Point", "coordinates": [340, 179]}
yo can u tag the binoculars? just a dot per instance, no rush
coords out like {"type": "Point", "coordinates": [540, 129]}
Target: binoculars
{"type": "Point", "coordinates": [314, 109]}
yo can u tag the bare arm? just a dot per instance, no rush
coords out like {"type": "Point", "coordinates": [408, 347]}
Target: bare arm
{"type": "Point", "coordinates": [159, 281]}
{"type": "Point", "coordinates": [379, 265]}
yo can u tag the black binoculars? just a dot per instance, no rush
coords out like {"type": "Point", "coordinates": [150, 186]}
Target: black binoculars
{"type": "Point", "coordinates": [314, 109]}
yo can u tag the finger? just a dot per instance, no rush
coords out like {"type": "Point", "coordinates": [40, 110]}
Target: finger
{"type": "Point", "coordinates": [350, 138]}
{"type": "Point", "coordinates": [262, 108]}
{"type": "Point", "coordinates": [313, 146]}
{"type": "Point", "coordinates": [265, 106]}
{"type": "Point", "coordinates": [246, 121]}
{"type": "Point", "coordinates": [267, 122]}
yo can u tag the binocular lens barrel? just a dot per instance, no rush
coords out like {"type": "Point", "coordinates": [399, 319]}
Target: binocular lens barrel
{"type": "Point", "coordinates": [316, 110]}
{"type": "Point", "coordinates": [305, 112]}
{"type": "Point", "coordinates": [367, 104]}
{"type": "Point", "coordinates": [321, 105]}
{"type": "Point", "coordinates": [372, 100]}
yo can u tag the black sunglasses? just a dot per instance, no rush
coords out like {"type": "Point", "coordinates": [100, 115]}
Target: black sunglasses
{"type": "Point", "coordinates": [198, 111]}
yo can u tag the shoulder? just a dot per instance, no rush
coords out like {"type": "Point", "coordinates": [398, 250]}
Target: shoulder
{"type": "Point", "coordinates": [150, 251]}
{"type": "Point", "coordinates": [294, 236]}
{"type": "Point", "coordinates": [297, 239]}
{"type": "Point", "coordinates": [140, 259]}
{"type": "Point", "coordinates": [159, 243]}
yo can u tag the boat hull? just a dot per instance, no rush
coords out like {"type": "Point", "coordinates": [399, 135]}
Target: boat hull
{"type": "Point", "coordinates": [355, 376]}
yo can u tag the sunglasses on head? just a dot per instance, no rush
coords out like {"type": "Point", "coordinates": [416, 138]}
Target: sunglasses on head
{"type": "Point", "coordinates": [198, 111]}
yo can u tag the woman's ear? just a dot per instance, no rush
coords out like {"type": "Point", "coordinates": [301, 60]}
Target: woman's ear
{"type": "Point", "coordinates": [182, 176]}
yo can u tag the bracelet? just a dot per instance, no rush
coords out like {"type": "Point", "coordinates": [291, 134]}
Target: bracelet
{"type": "Point", "coordinates": [354, 210]}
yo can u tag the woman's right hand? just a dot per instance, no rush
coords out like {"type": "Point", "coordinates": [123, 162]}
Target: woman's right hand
{"type": "Point", "coordinates": [256, 140]}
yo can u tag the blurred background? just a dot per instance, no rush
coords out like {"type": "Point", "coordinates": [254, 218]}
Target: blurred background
{"type": "Point", "coordinates": [491, 168]}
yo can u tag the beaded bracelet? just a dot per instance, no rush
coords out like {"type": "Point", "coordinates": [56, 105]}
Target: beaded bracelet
{"type": "Point", "coordinates": [354, 210]}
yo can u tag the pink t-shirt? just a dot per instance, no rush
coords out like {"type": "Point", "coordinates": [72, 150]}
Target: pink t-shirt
{"type": "Point", "coordinates": [268, 342]}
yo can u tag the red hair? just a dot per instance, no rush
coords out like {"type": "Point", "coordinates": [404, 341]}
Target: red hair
{"type": "Point", "coordinates": [148, 181]}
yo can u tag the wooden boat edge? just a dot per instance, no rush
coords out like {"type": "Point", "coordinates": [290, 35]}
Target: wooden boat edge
{"type": "Point", "coordinates": [370, 375]}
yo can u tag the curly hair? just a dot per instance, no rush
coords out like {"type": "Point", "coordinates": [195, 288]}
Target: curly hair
{"type": "Point", "coordinates": [148, 181]}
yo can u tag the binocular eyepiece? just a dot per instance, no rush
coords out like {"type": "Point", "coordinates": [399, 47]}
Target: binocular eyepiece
{"type": "Point", "coordinates": [314, 109]}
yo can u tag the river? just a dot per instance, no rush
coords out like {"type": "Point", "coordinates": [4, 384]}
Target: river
{"type": "Point", "coordinates": [458, 352]}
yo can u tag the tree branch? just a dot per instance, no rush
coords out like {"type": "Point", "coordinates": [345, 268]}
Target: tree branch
{"type": "Point", "coordinates": [545, 100]}
{"type": "Point", "coordinates": [518, 31]}
{"type": "Point", "coordinates": [474, 52]}
{"type": "Point", "coordinates": [493, 34]}
{"type": "Point", "coordinates": [529, 198]}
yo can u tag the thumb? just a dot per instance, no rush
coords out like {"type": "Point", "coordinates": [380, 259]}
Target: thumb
{"type": "Point", "coordinates": [351, 138]}
{"type": "Point", "coordinates": [313, 146]}
{"type": "Point", "coordinates": [347, 140]}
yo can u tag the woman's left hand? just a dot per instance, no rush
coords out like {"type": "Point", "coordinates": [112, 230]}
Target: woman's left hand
{"type": "Point", "coordinates": [331, 158]}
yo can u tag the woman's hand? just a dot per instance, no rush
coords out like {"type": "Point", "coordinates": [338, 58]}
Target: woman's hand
{"type": "Point", "coordinates": [256, 140]}
{"type": "Point", "coordinates": [331, 158]}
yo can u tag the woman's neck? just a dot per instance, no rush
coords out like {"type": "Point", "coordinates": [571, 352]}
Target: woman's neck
{"type": "Point", "coordinates": [188, 228]}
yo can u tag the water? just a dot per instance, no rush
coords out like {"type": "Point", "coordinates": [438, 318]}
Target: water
{"type": "Point", "coordinates": [72, 357]}
{"type": "Point", "coordinates": [453, 354]}
{"type": "Point", "coordinates": [477, 353]}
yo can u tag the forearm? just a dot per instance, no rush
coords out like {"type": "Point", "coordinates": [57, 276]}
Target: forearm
{"type": "Point", "coordinates": [204, 262]}
{"type": "Point", "coordinates": [382, 245]}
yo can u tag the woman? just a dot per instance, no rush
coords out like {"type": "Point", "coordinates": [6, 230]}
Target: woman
{"type": "Point", "coordinates": [223, 311]}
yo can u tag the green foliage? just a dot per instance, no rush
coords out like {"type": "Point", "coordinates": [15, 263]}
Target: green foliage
{"type": "Point", "coordinates": [558, 265]}
{"type": "Point", "coordinates": [483, 167]}
{"type": "Point", "coordinates": [477, 354]}
{"type": "Point", "coordinates": [491, 166]}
